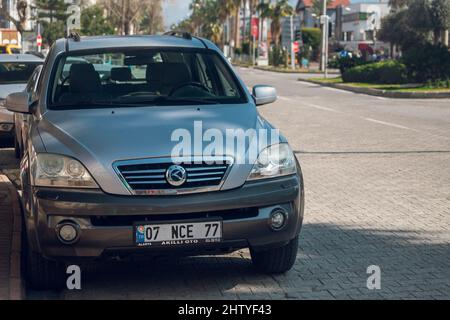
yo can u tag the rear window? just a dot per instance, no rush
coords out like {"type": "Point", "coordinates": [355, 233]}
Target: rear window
{"type": "Point", "coordinates": [143, 77]}
{"type": "Point", "coordinates": [16, 72]}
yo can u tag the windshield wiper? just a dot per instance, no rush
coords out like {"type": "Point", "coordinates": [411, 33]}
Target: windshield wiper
{"type": "Point", "coordinates": [98, 104]}
{"type": "Point", "coordinates": [185, 100]}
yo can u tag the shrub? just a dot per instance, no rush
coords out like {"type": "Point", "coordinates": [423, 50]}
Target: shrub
{"type": "Point", "coordinates": [277, 56]}
{"type": "Point", "coordinates": [345, 63]}
{"type": "Point", "coordinates": [385, 72]}
{"type": "Point", "coordinates": [427, 62]}
{"type": "Point", "coordinates": [311, 38]}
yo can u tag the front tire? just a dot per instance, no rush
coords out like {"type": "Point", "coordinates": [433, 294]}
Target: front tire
{"type": "Point", "coordinates": [276, 260]}
{"type": "Point", "coordinates": [43, 274]}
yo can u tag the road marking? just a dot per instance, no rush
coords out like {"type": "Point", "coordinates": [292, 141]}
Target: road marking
{"type": "Point", "coordinates": [322, 108]}
{"type": "Point", "coordinates": [285, 98]}
{"type": "Point", "coordinates": [387, 123]}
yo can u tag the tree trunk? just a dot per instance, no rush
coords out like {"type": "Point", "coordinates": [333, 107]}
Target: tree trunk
{"type": "Point", "coordinates": [237, 29]}
{"type": "Point", "coordinates": [244, 30]}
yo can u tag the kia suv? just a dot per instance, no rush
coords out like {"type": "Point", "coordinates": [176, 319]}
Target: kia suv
{"type": "Point", "coordinates": [157, 149]}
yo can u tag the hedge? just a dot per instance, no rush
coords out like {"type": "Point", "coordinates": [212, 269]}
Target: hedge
{"type": "Point", "coordinates": [385, 72]}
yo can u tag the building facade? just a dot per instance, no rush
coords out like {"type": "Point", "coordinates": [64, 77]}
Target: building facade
{"type": "Point", "coordinates": [360, 25]}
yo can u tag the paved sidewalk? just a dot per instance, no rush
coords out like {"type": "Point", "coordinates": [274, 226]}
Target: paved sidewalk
{"type": "Point", "coordinates": [10, 246]}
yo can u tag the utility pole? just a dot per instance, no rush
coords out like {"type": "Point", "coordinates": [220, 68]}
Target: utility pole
{"type": "Point", "coordinates": [324, 47]}
{"type": "Point", "coordinates": [292, 44]}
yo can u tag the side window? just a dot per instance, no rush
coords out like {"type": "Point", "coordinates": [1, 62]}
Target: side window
{"type": "Point", "coordinates": [31, 85]}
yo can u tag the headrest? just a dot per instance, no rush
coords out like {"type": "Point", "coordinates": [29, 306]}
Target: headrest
{"type": "Point", "coordinates": [84, 79]}
{"type": "Point", "coordinates": [176, 73]}
{"type": "Point", "coordinates": [122, 74]}
{"type": "Point", "coordinates": [168, 73]}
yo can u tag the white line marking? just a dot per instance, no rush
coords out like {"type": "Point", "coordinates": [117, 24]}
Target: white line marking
{"type": "Point", "coordinates": [285, 98]}
{"type": "Point", "coordinates": [321, 108]}
{"type": "Point", "coordinates": [387, 124]}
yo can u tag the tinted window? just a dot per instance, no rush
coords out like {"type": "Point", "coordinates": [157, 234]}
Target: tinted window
{"type": "Point", "coordinates": [144, 77]}
{"type": "Point", "coordinates": [16, 72]}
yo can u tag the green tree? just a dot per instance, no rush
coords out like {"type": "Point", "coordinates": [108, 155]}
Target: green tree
{"type": "Point", "coordinates": [94, 23]}
{"type": "Point", "coordinates": [274, 12]}
{"type": "Point", "coordinates": [311, 42]}
{"type": "Point", "coordinates": [152, 21]}
{"type": "Point", "coordinates": [317, 7]}
{"type": "Point", "coordinates": [52, 16]}
{"type": "Point", "coordinates": [440, 13]}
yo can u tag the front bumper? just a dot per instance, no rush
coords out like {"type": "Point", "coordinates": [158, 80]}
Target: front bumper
{"type": "Point", "coordinates": [106, 221]}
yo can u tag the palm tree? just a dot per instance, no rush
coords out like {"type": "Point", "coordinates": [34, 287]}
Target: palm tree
{"type": "Point", "coordinates": [236, 5]}
{"type": "Point", "coordinates": [275, 11]}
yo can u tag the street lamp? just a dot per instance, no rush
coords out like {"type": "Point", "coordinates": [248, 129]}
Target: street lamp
{"type": "Point", "coordinates": [324, 23]}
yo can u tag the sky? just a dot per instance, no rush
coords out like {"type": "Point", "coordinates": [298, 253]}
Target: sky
{"type": "Point", "coordinates": [177, 10]}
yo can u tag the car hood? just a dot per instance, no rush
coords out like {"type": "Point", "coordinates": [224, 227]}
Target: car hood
{"type": "Point", "coordinates": [7, 89]}
{"type": "Point", "coordinates": [100, 137]}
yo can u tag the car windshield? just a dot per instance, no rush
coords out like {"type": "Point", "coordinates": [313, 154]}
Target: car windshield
{"type": "Point", "coordinates": [16, 72]}
{"type": "Point", "coordinates": [144, 77]}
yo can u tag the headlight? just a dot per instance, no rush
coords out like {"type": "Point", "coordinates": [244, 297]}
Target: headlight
{"type": "Point", "coordinates": [51, 170]}
{"type": "Point", "coordinates": [274, 161]}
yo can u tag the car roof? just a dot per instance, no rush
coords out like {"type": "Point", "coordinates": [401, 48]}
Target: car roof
{"type": "Point", "coordinates": [144, 41]}
{"type": "Point", "coordinates": [19, 58]}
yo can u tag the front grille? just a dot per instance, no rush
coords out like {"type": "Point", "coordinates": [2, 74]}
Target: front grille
{"type": "Point", "coordinates": [145, 177]}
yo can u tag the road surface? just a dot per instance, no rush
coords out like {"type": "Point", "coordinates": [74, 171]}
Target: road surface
{"type": "Point", "coordinates": [377, 180]}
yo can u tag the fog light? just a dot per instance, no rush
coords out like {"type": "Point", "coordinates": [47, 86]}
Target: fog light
{"type": "Point", "coordinates": [278, 219]}
{"type": "Point", "coordinates": [68, 233]}
{"type": "Point", "coordinates": [6, 127]}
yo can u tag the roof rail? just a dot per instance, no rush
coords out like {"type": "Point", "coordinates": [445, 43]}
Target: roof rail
{"type": "Point", "coordinates": [182, 34]}
{"type": "Point", "coordinates": [75, 36]}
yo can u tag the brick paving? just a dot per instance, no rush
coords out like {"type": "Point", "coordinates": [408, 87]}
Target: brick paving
{"type": "Point", "coordinates": [377, 181]}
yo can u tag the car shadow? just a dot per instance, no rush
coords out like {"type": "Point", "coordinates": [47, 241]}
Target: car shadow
{"type": "Point", "coordinates": [332, 264]}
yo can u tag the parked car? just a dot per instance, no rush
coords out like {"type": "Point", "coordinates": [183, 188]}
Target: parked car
{"type": "Point", "coordinates": [10, 49]}
{"type": "Point", "coordinates": [100, 177]}
{"type": "Point", "coordinates": [15, 71]}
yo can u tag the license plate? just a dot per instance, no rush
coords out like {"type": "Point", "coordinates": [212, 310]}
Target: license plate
{"type": "Point", "coordinates": [176, 234]}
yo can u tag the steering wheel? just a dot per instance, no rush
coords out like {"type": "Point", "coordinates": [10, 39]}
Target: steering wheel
{"type": "Point", "coordinates": [63, 82]}
{"type": "Point", "coordinates": [186, 84]}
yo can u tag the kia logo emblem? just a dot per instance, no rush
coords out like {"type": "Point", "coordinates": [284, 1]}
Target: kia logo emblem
{"type": "Point", "coordinates": [176, 175]}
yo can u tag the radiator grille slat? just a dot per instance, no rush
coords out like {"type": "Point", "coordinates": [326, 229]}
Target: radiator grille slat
{"type": "Point", "coordinates": [148, 177]}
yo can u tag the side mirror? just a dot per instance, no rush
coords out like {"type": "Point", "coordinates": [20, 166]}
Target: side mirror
{"type": "Point", "coordinates": [18, 102]}
{"type": "Point", "coordinates": [264, 95]}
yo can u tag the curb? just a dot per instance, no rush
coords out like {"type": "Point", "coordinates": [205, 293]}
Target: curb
{"type": "Point", "coordinates": [383, 93]}
{"type": "Point", "coordinates": [16, 285]}
{"type": "Point", "coordinates": [295, 72]}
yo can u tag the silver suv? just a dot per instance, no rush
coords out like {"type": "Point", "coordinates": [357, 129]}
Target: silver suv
{"type": "Point", "coordinates": [152, 145]}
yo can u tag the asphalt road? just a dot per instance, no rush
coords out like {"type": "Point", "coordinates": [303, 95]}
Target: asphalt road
{"type": "Point", "coordinates": [377, 179]}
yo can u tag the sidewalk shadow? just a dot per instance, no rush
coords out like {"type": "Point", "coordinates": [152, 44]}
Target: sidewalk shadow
{"type": "Point", "coordinates": [332, 263]}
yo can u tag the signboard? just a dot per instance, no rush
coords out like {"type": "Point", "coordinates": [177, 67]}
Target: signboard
{"type": "Point", "coordinates": [39, 40]}
{"type": "Point", "coordinates": [255, 28]}
{"type": "Point", "coordinates": [296, 47]}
